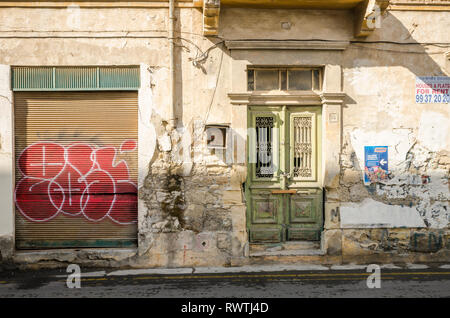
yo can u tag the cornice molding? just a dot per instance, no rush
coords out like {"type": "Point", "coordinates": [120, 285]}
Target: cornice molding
{"type": "Point", "coordinates": [332, 98]}
{"type": "Point", "coordinates": [286, 45]}
{"type": "Point", "coordinates": [307, 98]}
{"type": "Point", "coordinates": [239, 98]}
{"type": "Point", "coordinates": [419, 5]}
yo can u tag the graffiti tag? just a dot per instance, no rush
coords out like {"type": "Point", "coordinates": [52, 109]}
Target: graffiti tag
{"type": "Point", "coordinates": [76, 180]}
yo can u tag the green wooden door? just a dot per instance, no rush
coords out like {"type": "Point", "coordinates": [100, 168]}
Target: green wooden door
{"type": "Point", "coordinates": [284, 197]}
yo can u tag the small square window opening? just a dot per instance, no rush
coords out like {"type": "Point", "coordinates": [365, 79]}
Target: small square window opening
{"type": "Point", "coordinates": [216, 136]}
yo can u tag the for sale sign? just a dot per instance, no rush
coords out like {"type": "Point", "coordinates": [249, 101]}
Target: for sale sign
{"type": "Point", "coordinates": [432, 89]}
{"type": "Point", "coordinates": [375, 163]}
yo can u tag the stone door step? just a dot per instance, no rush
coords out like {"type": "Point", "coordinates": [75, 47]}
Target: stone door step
{"type": "Point", "coordinates": [286, 248]}
{"type": "Point", "coordinates": [287, 253]}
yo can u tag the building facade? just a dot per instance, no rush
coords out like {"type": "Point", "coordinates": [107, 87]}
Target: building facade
{"type": "Point", "coordinates": [224, 132]}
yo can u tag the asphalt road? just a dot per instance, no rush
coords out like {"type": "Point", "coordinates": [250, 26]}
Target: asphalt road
{"type": "Point", "coordinates": [416, 281]}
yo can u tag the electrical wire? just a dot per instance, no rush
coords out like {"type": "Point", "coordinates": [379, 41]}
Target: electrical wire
{"type": "Point", "coordinates": [355, 46]}
{"type": "Point", "coordinates": [215, 89]}
{"type": "Point", "coordinates": [440, 44]}
{"type": "Point", "coordinates": [101, 31]}
{"type": "Point", "coordinates": [351, 41]}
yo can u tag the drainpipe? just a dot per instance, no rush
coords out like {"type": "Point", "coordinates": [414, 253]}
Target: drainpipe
{"type": "Point", "coordinates": [172, 98]}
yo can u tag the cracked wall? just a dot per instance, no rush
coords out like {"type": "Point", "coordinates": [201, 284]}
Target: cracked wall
{"type": "Point", "coordinates": [191, 209]}
{"type": "Point", "coordinates": [191, 205]}
{"type": "Point", "coordinates": [6, 166]}
{"type": "Point", "coordinates": [382, 112]}
{"type": "Point", "coordinates": [190, 217]}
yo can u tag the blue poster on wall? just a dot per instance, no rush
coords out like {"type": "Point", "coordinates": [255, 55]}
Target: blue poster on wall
{"type": "Point", "coordinates": [375, 163]}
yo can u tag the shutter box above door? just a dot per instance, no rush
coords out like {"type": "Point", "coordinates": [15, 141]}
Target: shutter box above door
{"type": "Point", "coordinates": [74, 78]}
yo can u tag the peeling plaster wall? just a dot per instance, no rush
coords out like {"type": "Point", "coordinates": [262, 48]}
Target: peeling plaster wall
{"type": "Point", "coordinates": [6, 166]}
{"type": "Point", "coordinates": [191, 206]}
{"type": "Point", "coordinates": [373, 214]}
{"type": "Point", "coordinates": [194, 208]}
{"type": "Point", "coordinates": [236, 23]}
{"type": "Point", "coordinates": [381, 111]}
{"type": "Point", "coordinates": [191, 209]}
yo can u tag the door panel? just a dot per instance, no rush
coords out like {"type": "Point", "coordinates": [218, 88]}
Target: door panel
{"type": "Point", "coordinates": [302, 234]}
{"type": "Point", "coordinates": [302, 209]}
{"type": "Point", "coordinates": [265, 235]}
{"type": "Point", "coordinates": [284, 197]}
{"type": "Point", "coordinates": [305, 215]}
{"type": "Point", "coordinates": [266, 212]}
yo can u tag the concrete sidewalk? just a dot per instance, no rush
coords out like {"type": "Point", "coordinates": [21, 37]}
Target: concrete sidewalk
{"type": "Point", "coordinates": [251, 269]}
{"type": "Point", "coordinates": [411, 280]}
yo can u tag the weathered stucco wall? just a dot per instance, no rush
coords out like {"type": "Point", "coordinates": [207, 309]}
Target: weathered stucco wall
{"type": "Point", "coordinates": [379, 81]}
{"type": "Point", "coordinates": [333, 25]}
{"type": "Point", "coordinates": [191, 210]}
{"type": "Point", "coordinates": [6, 166]}
{"type": "Point", "coordinates": [379, 109]}
{"type": "Point", "coordinates": [191, 206]}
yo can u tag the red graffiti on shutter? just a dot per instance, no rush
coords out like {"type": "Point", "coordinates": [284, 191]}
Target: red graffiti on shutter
{"type": "Point", "coordinates": [76, 180]}
{"type": "Point", "coordinates": [105, 158]}
{"type": "Point", "coordinates": [128, 145]}
{"type": "Point", "coordinates": [42, 160]}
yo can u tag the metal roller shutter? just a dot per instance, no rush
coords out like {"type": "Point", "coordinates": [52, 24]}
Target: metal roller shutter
{"type": "Point", "coordinates": [76, 169]}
